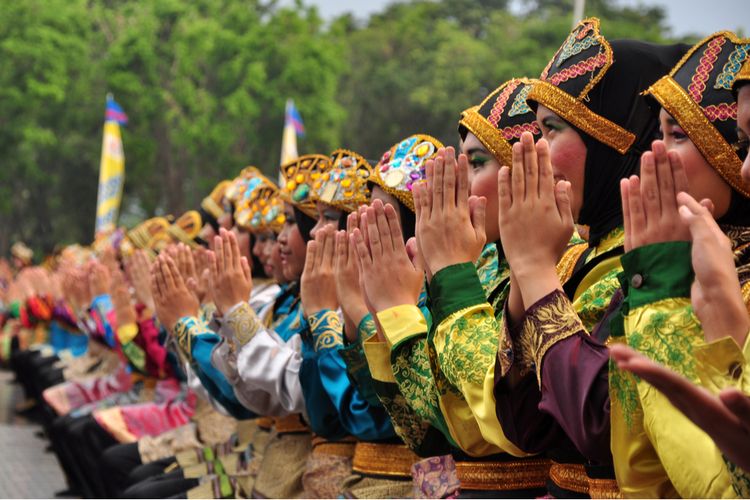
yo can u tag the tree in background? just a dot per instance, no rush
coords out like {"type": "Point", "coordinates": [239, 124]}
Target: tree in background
{"type": "Point", "coordinates": [204, 83]}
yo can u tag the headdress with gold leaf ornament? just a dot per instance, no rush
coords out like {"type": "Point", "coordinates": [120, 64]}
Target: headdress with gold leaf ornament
{"type": "Point", "coordinates": [404, 165]}
{"type": "Point", "coordinates": [344, 185]}
{"type": "Point", "coordinates": [148, 231]}
{"type": "Point", "coordinates": [186, 228]}
{"type": "Point", "coordinates": [299, 176]}
{"type": "Point", "coordinates": [212, 203]}
{"type": "Point", "coordinates": [697, 93]}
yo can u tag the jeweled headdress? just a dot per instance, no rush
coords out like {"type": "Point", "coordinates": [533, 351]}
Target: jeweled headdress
{"type": "Point", "coordinates": [404, 165]}
{"type": "Point", "coordinates": [501, 118]}
{"type": "Point", "coordinates": [212, 203]}
{"type": "Point", "coordinates": [344, 185]}
{"type": "Point", "coordinates": [260, 208]}
{"type": "Point", "coordinates": [299, 176]}
{"type": "Point", "coordinates": [743, 75]}
{"type": "Point", "coordinates": [698, 94]}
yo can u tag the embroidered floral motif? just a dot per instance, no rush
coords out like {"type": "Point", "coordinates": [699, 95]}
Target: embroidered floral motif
{"type": "Point", "coordinates": [593, 302]}
{"type": "Point", "coordinates": [435, 477]}
{"type": "Point", "coordinates": [706, 64]}
{"type": "Point", "coordinates": [326, 330]}
{"type": "Point", "coordinates": [579, 69]}
{"type": "Point", "coordinates": [740, 479]}
{"type": "Point", "coordinates": [731, 67]}
{"type": "Point", "coordinates": [520, 106]}
{"type": "Point", "coordinates": [411, 369]}
{"type": "Point", "coordinates": [185, 329]}
{"type": "Point", "coordinates": [500, 102]}
{"type": "Point", "coordinates": [470, 347]}
{"type": "Point", "coordinates": [243, 323]}
{"type": "Point", "coordinates": [442, 384]}
{"type": "Point", "coordinates": [666, 335]}
{"type": "Point", "coordinates": [623, 392]}
{"type": "Point", "coordinates": [409, 427]}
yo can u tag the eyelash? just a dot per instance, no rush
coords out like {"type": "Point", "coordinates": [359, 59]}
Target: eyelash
{"type": "Point", "coordinates": [478, 162]}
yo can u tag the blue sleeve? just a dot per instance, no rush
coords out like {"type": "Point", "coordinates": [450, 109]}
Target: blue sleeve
{"type": "Point", "coordinates": [199, 341]}
{"type": "Point", "coordinates": [360, 417]}
{"type": "Point", "coordinates": [102, 306]}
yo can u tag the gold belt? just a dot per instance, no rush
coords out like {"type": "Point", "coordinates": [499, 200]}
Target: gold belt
{"type": "Point", "coordinates": [292, 423]}
{"type": "Point", "coordinates": [265, 423]}
{"type": "Point", "coordinates": [523, 474]}
{"type": "Point", "coordinates": [604, 488]}
{"type": "Point", "coordinates": [383, 459]}
{"type": "Point", "coordinates": [341, 448]}
{"type": "Point", "coordinates": [571, 477]}
{"type": "Point", "coordinates": [395, 460]}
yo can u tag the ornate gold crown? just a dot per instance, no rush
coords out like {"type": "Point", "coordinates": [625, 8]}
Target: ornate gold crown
{"type": "Point", "coordinates": [403, 165]}
{"type": "Point", "coordinates": [344, 185]}
{"type": "Point", "coordinates": [186, 228]}
{"type": "Point", "coordinates": [299, 176]}
{"type": "Point", "coordinates": [256, 205]}
{"type": "Point", "coordinates": [212, 203]}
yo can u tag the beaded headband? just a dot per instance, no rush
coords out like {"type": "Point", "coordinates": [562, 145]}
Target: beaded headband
{"type": "Point", "coordinates": [299, 176]}
{"type": "Point", "coordinates": [344, 185]}
{"type": "Point", "coordinates": [578, 65]}
{"type": "Point", "coordinates": [697, 93]}
{"type": "Point", "coordinates": [403, 165]}
{"type": "Point", "coordinates": [501, 118]}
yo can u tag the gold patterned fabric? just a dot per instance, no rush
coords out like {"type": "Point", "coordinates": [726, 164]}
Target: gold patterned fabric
{"type": "Point", "coordinates": [283, 464]}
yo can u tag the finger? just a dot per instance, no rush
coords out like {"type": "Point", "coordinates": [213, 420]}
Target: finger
{"type": "Point", "coordinates": [363, 224]}
{"type": "Point", "coordinates": [464, 186]}
{"type": "Point", "coordinates": [438, 184]}
{"type": "Point", "coordinates": [162, 276]}
{"type": "Point", "coordinates": [546, 175]}
{"type": "Point", "coordinates": [625, 198]}
{"type": "Point", "coordinates": [425, 203]}
{"type": "Point", "coordinates": [530, 165]}
{"type": "Point", "coordinates": [384, 231]}
{"type": "Point", "coordinates": [518, 183]}
{"type": "Point", "coordinates": [376, 247]}
{"type": "Point", "coordinates": [320, 249]}
{"type": "Point", "coordinates": [328, 248]}
{"type": "Point", "coordinates": [363, 254]}
{"type": "Point", "coordinates": [227, 248]}
{"type": "Point", "coordinates": [649, 188]}
{"type": "Point", "coordinates": [352, 221]}
{"type": "Point", "coordinates": [563, 193]}
{"type": "Point", "coordinates": [213, 264]}
{"type": "Point", "coordinates": [679, 175]}
{"type": "Point", "coordinates": [504, 196]}
{"type": "Point", "coordinates": [449, 179]}
{"type": "Point", "coordinates": [219, 253]}
{"type": "Point", "coordinates": [235, 250]}
{"type": "Point", "coordinates": [412, 250]}
{"type": "Point", "coordinates": [478, 214]}
{"type": "Point", "coordinates": [637, 214]}
{"type": "Point", "coordinates": [312, 250]}
{"type": "Point", "coordinates": [173, 274]}
{"type": "Point", "coordinates": [341, 250]}
{"type": "Point", "coordinates": [246, 268]}
{"type": "Point", "coordinates": [394, 226]}
{"type": "Point", "coordinates": [665, 177]}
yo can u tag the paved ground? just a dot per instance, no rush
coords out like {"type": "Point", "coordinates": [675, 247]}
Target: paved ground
{"type": "Point", "coordinates": [26, 470]}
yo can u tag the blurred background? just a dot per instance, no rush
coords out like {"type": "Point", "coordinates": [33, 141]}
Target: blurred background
{"type": "Point", "coordinates": [204, 84]}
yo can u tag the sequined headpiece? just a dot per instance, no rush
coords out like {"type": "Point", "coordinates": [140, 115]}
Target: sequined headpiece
{"type": "Point", "coordinates": [260, 208]}
{"type": "Point", "coordinates": [240, 184]}
{"type": "Point", "coordinates": [565, 83]}
{"type": "Point", "coordinates": [698, 94]}
{"type": "Point", "coordinates": [299, 176]}
{"type": "Point", "coordinates": [212, 203]}
{"type": "Point", "coordinates": [186, 228]}
{"type": "Point", "coordinates": [501, 118]}
{"type": "Point", "coordinates": [344, 185]}
{"type": "Point", "coordinates": [403, 165]}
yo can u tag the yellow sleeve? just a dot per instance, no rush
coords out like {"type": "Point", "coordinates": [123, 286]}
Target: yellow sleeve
{"type": "Point", "coordinates": [722, 363]}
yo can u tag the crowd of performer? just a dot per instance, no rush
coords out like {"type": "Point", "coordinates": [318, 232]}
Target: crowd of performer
{"type": "Point", "coordinates": [558, 307]}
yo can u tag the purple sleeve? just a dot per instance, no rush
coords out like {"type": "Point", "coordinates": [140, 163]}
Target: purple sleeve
{"type": "Point", "coordinates": [572, 403]}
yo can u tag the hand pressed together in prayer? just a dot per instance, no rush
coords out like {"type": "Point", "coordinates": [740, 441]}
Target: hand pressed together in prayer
{"type": "Point", "coordinates": [450, 223]}
{"type": "Point", "coordinates": [535, 218]}
{"type": "Point", "coordinates": [348, 287]}
{"type": "Point", "coordinates": [318, 282]}
{"type": "Point", "coordinates": [172, 298]}
{"type": "Point", "coordinates": [390, 278]}
{"type": "Point", "coordinates": [230, 278]}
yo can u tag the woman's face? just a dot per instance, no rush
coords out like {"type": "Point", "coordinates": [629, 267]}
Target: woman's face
{"type": "Point", "coordinates": [387, 199]}
{"type": "Point", "coordinates": [703, 180]}
{"type": "Point", "coordinates": [272, 263]}
{"type": "Point", "coordinates": [327, 215]}
{"type": "Point", "coordinates": [567, 153]}
{"type": "Point", "coordinates": [261, 241]}
{"type": "Point", "coordinates": [291, 246]}
{"type": "Point", "coordinates": [483, 178]}
{"type": "Point", "coordinates": [743, 125]}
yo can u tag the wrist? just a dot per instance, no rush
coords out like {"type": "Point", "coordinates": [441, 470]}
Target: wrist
{"type": "Point", "coordinates": [537, 283]}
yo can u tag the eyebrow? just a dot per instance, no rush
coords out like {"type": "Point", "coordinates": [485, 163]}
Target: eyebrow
{"type": "Point", "coordinates": [477, 149]}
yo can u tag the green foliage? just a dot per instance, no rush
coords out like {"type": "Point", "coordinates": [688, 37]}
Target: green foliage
{"type": "Point", "coordinates": [204, 83]}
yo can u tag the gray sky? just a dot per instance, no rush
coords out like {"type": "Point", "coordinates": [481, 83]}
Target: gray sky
{"type": "Point", "coordinates": [685, 16]}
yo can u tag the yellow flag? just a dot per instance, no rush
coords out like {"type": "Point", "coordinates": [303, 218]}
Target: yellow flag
{"type": "Point", "coordinates": [111, 170]}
